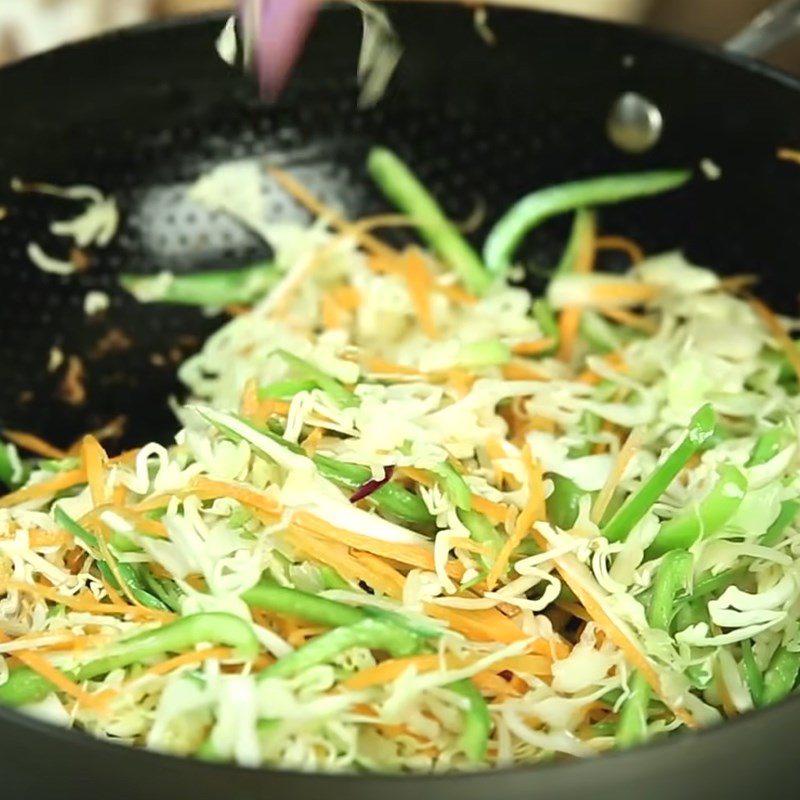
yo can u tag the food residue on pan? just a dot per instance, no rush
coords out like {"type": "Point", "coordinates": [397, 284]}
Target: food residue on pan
{"type": "Point", "coordinates": [72, 386]}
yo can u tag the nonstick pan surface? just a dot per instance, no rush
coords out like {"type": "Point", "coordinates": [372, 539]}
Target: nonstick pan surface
{"type": "Point", "coordinates": [141, 113]}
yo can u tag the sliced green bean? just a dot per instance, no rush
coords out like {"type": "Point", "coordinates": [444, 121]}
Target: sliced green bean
{"type": "Point", "coordinates": [340, 395]}
{"type": "Point", "coordinates": [26, 686]}
{"type": "Point", "coordinates": [537, 207]}
{"type": "Point", "coordinates": [584, 229]}
{"type": "Point", "coordinates": [405, 190]}
{"type": "Point", "coordinates": [489, 353]}
{"type": "Point", "coordinates": [672, 577]}
{"type": "Point", "coordinates": [543, 313]}
{"type": "Point", "coordinates": [372, 633]}
{"type": "Point", "coordinates": [481, 529]}
{"type": "Point", "coordinates": [216, 288]}
{"type": "Point", "coordinates": [752, 674]}
{"type": "Point", "coordinates": [284, 600]}
{"type": "Point", "coordinates": [563, 504]}
{"type": "Point", "coordinates": [285, 390]}
{"type": "Point", "coordinates": [331, 579]}
{"type": "Point", "coordinates": [785, 518]}
{"type": "Point", "coordinates": [477, 720]}
{"type": "Point", "coordinates": [781, 676]}
{"type": "Point", "coordinates": [769, 444]}
{"type": "Point", "coordinates": [454, 486]}
{"type": "Point", "coordinates": [7, 470]}
{"type": "Point", "coordinates": [622, 523]}
{"type": "Point", "coordinates": [709, 516]}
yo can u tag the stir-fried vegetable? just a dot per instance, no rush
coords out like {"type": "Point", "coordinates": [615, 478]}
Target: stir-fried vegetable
{"type": "Point", "coordinates": [417, 519]}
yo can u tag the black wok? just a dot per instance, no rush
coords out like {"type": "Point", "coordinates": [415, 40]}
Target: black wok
{"type": "Point", "coordinates": [142, 112]}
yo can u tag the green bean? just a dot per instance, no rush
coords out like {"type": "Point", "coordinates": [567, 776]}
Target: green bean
{"type": "Point", "coordinates": [543, 313]}
{"type": "Point", "coordinates": [721, 503]}
{"type": "Point", "coordinates": [489, 353]}
{"type": "Point", "coordinates": [564, 502]}
{"type": "Point", "coordinates": [477, 720]}
{"type": "Point", "coordinates": [164, 590]}
{"type": "Point", "coordinates": [372, 633]}
{"type": "Point", "coordinates": [769, 444]}
{"type": "Point", "coordinates": [672, 576]}
{"type": "Point", "coordinates": [584, 230]}
{"type": "Point", "coordinates": [537, 207]}
{"type": "Point", "coordinates": [785, 518]}
{"type": "Point", "coordinates": [285, 390]}
{"type": "Point", "coordinates": [713, 583]}
{"type": "Point", "coordinates": [26, 686]}
{"type": "Point", "coordinates": [621, 524]}
{"type": "Point", "coordinates": [454, 486]}
{"type": "Point", "coordinates": [752, 674]}
{"type": "Point", "coordinates": [283, 600]}
{"type": "Point", "coordinates": [600, 335]}
{"type": "Point", "coordinates": [781, 676]}
{"type": "Point", "coordinates": [7, 469]}
{"type": "Point", "coordinates": [216, 288]}
{"type": "Point", "coordinates": [340, 395]}
{"type": "Point", "coordinates": [404, 189]}
{"type": "Point", "coordinates": [482, 530]}
{"type": "Point", "coordinates": [58, 464]}
{"type": "Point", "coordinates": [127, 572]}
{"type": "Point", "coordinates": [331, 579]}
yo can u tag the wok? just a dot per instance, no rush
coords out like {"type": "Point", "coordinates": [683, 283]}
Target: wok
{"type": "Point", "coordinates": [142, 112]}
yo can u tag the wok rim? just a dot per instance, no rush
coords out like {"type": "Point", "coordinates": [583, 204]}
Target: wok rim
{"type": "Point", "coordinates": [737, 730]}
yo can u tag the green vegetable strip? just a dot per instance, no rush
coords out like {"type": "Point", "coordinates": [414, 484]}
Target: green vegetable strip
{"type": "Point", "coordinates": [543, 313]}
{"type": "Point", "coordinates": [25, 686]}
{"type": "Point", "coordinates": [781, 676]}
{"type": "Point", "coordinates": [477, 720]}
{"type": "Point", "coordinates": [534, 209]}
{"type": "Point", "coordinates": [721, 503]}
{"type": "Point", "coordinates": [584, 227]}
{"type": "Point", "coordinates": [454, 486]}
{"type": "Point", "coordinates": [404, 189]}
{"type": "Point", "coordinates": [672, 577]}
{"type": "Point", "coordinates": [713, 583]}
{"type": "Point", "coordinates": [7, 469]}
{"type": "Point", "coordinates": [340, 395]}
{"type": "Point", "coordinates": [564, 503]}
{"type": "Point", "coordinates": [752, 674]}
{"type": "Point", "coordinates": [769, 444]}
{"type": "Point", "coordinates": [285, 390]}
{"type": "Point", "coordinates": [621, 524]}
{"type": "Point", "coordinates": [785, 518]}
{"type": "Point", "coordinates": [490, 353]}
{"type": "Point", "coordinates": [217, 288]}
{"type": "Point", "coordinates": [482, 530]}
{"type": "Point", "coordinates": [373, 633]}
{"type": "Point", "coordinates": [127, 572]}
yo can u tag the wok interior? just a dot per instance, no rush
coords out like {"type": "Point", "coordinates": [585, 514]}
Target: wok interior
{"type": "Point", "coordinates": [481, 125]}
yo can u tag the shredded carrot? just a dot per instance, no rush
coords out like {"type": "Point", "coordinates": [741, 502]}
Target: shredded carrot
{"type": "Point", "coordinates": [614, 360]}
{"type": "Point", "coordinates": [380, 366]}
{"type": "Point", "coordinates": [37, 537]}
{"type": "Point", "coordinates": [497, 512]}
{"type": "Point", "coordinates": [260, 410]}
{"type": "Point", "coordinates": [456, 294]}
{"type": "Point", "coordinates": [143, 524]}
{"type": "Point", "coordinates": [85, 604]}
{"type": "Point", "coordinates": [34, 444]}
{"type": "Point", "coordinates": [112, 594]}
{"type": "Point", "coordinates": [634, 250]}
{"type": "Point", "coordinates": [626, 453]}
{"type": "Point", "coordinates": [461, 381]}
{"type": "Point", "coordinates": [532, 348]}
{"type": "Point", "coordinates": [736, 284]}
{"type": "Point", "coordinates": [211, 489]}
{"type": "Point", "coordinates": [420, 281]}
{"type": "Point", "coordinates": [61, 682]}
{"type": "Point", "coordinates": [631, 293]}
{"type": "Point", "coordinates": [64, 480]}
{"type": "Point", "coordinates": [185, 659]}
{"type": "Point", "coordinates": [336, 220]}
{"type": "Point", "coordinates": [119, 495]}
{"type": "Point", "coordinates": [311, 442]}
{"type": "Point", "coordinates": [776, 328]}
{"type": "Point", "coordinates": [638, 321]}
{"type": "Point", "coordinates": [534, 511]}
{"type": "Point", "coordinates": [521, 371]}
{"type": "Point", "coordinates": [347, 297]}
{"type": "Point", "coordinates": [94, 459]}
{"type": "Point", "coordinates": [331, 313]}
{"type": "Point", "coordinates": [417, 475]}
{"type": "Point", "coordinates": [789, 154]}
{"type": "Point", "coordinates": [569, 323]}
{"type": "Point", "coordinates": [378, 566]}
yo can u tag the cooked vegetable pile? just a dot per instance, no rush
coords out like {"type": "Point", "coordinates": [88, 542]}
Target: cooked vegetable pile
{"type": "Point", "coordinates": [417, 520]}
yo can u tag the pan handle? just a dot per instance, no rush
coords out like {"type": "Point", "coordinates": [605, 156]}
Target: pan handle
{"type": "Point", "coordinates": [771, 28]}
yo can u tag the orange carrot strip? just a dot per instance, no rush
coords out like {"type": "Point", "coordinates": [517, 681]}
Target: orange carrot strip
{"type": "Point", "coordinates": [331, 313]}
{"type": "Point", "coordinates": [380, 366]}
{"type": "Point", "coordinates": [185, 659]}
{"type": "Point", "coordinates": [347, 297]}
{"type": "Point", "coordinates": [456, 294]}
{"type": "Point", "coordinates": [520, 371]}
{"type": "Point", "coordinates": [64, 480]}
{"type": "Point", "coordinates": [34, 444]}
{"type": "Point", "coordinates": [569, 323]}
{"type": "Point", "coordinates": [532, 348]}
{"type": "Point", "coordinates": [94, 459]}
{"type": "Point", "coordinates": [534, 510]}
{"type": "Point", "coordinates": [249, 497]}
{"type": "Point", "coordinates": [624, 457]}
{"type": "Point", "coordinates": [775, 327]}
{"type": "Point", "coordinates": [44, 668]}
{"type": "Point", "coordinates": [495, 511]}
{"type": "Point", "coordinates": [629, 318]}
{"type": "Point", "coordinates": [419, 281]}
{"type": "Point", "coordinates": [634, 250]}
